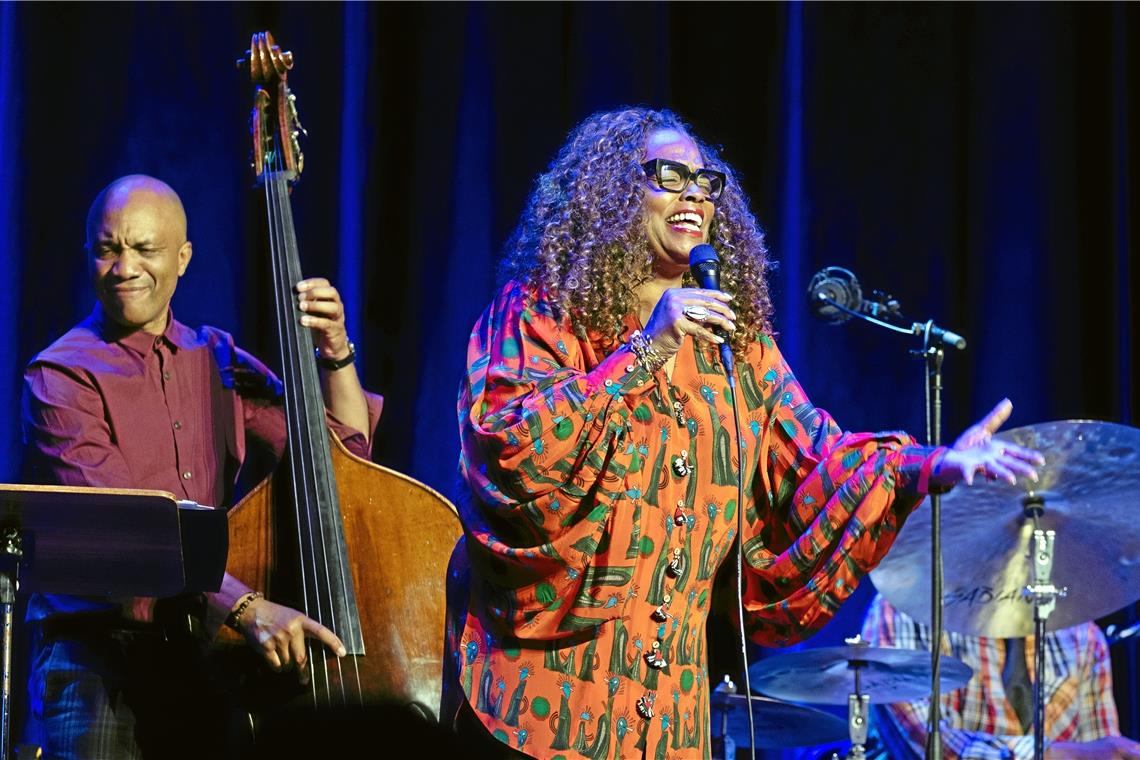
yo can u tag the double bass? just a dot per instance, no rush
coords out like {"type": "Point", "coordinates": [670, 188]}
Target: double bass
{"type": "Point", "coordinates": [358, 547]}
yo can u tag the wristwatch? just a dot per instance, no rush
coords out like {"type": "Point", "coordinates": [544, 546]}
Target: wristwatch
{"type": "Point", "coordinates": [334, 364]}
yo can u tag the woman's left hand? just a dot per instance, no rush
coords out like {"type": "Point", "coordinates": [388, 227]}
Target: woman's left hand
{"type": "Point", "coordinates": [975, 452]}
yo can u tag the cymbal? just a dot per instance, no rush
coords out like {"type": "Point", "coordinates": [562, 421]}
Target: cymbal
{"type": "Point", "coordinates": [1088, 494]}
{"type": "Point", "coordinates": [826, 675]}
{"type": "Point", "coordinates": [778, 723]}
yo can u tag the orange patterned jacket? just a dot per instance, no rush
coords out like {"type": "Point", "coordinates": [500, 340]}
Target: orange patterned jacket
{"type": "Point", "coordinates": [601, 501]}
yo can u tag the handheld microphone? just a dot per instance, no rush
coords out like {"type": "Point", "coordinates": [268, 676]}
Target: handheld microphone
{"type": "Point", "coordinates": [834, 295]}
{"type": "Point", "coordinates": [704, 265]}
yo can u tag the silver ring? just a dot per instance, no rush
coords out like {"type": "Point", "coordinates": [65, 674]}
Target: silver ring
{"type": "Point", "coordinates": [696, 313]}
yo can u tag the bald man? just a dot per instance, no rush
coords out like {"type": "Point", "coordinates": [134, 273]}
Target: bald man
{"type": "Point", "coordinates": [132, 398]}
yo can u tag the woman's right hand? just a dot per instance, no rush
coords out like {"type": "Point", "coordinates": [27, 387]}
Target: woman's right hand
{"type": "Point", "coordinates": [669, 324]}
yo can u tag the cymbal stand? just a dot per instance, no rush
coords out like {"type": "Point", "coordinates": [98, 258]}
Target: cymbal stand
{"type": "Point", "coordinates": [723, 745]}
{"type": "Point", "coordinates": [11, 550]}
{"type": "Point", "coordinates": [858, 709]}
{"type": "Point", "coordinates": [934, 356]}
{"type": "Point", "coordinates": [1044, 595]}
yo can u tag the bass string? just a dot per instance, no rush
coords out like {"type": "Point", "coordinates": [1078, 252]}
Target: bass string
{"type": "Point", "coordinates": [286, 334]}
{"type": "Point", "coordinates": [317, 596]}
{"type": "Point", "coordinates": [315, 601]}
{"type": "Point", "coordinates": [318, 456]}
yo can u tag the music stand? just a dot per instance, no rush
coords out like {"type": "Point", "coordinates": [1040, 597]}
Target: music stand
{"type": "Point", "coordinates": [101, 542]}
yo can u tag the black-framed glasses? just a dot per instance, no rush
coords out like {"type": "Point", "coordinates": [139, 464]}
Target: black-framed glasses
{"type": "Point", "coordinates": [675, 176]}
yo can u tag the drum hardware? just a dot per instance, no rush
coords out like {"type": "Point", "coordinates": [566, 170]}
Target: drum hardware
{"type": "Point", "coordinates": [858, 711]}
{"type": "Point", "coordinates": [723, 745]}
{"type": "Point", "coordinates": [1044, 596]}
{"type": "Point", "coordinates": [1086, 493]}
{"type": "Point", "coordinates": [779, 724]}
{"type": "Point", "coordinates": [822, 675]}
{"type": "Point", "coordinates": [850, 675]}
{"type": "Point", "coordinates": [1085, 490]}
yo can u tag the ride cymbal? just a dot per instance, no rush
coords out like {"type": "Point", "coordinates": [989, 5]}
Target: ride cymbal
{"type": "Point", "coordinates": [1088, 494]}
{"type": "Point", "coordinates": [826, 675]}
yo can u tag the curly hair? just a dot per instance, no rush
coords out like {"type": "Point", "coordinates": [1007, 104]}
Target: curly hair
{"type": "Point", "coordinates": [582, 241]}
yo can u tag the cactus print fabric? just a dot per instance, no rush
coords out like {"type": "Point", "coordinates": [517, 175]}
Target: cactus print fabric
{"type": "Point", "coordinates": [600, 501]}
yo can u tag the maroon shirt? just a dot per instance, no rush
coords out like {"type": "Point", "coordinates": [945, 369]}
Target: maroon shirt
{"type": "Point", "coordinates": [170, 412]}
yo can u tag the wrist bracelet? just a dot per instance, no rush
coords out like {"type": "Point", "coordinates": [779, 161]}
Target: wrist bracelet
{"type": "Point", "coordinates": [647, 356]}
{"type": "Point", "coordinates": [233, 620]}
{"type": "Point", "coordinates": [924, 486]}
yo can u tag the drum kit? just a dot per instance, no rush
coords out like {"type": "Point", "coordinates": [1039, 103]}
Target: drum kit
{"type": "Point", "coordinates": [1001, 544]}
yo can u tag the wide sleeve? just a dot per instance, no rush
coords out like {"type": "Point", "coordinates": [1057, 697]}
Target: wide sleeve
{"type": "Point", "coordinates": [543, 425]}
{"type": "Point", "coordinates": [827, 504]}
{"type": "Point", "coordinates": [68, 440]}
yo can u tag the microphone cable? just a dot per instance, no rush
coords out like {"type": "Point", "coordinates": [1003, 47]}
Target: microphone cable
{"type": "Point", "coordinates": [742, 458]}
{"type": "Point", "coordinates": [704, 264]}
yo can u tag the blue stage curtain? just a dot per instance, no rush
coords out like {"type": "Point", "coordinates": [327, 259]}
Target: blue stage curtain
{"type": "Point", "coordinates": [11, 257]}
{"type": "Point", "coordinates": [973, 160]}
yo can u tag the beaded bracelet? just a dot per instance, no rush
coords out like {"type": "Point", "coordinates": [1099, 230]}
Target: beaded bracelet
{"type": "Point", "coordinates": [647, 356]}
{"type": "Point", "coordinates": [233, 620]}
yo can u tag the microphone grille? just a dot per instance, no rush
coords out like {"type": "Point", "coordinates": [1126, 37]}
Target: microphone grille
{"type": "Point", "coordinates": [703, 254]}
{"type": "Point", "coordinates": [704, 265]}
{"type": "Point", "coordinates": [838, 285]}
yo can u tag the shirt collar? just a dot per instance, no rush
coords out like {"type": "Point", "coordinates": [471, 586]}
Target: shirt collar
{"type": "Point", "coordinates": [176, 335]}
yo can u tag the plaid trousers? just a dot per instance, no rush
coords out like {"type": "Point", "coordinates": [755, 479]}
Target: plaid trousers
{"type": "Point", "coordinates": [115, 695]}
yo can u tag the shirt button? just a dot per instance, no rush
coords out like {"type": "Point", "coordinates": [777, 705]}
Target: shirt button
{"type": "Point", "coordinates": [187, 475]}
{"type": "Point", "coordinates": [177, 425]}
{"type": "Point", "coordinates": [165, 375]}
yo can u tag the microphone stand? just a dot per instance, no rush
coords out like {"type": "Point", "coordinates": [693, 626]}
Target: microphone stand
{"type": "Point", "coordinates": [933, 354]}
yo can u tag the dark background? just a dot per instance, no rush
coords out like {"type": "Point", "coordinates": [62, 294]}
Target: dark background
{"type": "Point", "coordinates": [974, 160]}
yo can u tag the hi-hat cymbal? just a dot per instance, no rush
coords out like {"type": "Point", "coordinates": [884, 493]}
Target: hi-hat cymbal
{"type": "Point", "coordinates": [1088, 494]}
{"type": "Point", "coordinates": [778, 724]}
{"type": "Point", "coordinates": [826, 675]}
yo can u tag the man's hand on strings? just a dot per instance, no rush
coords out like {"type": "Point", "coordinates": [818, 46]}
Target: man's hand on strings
{"type": "Point", "coordinates": [279, 634]}
{"type": "Point", "coordinates": [324, 314]}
